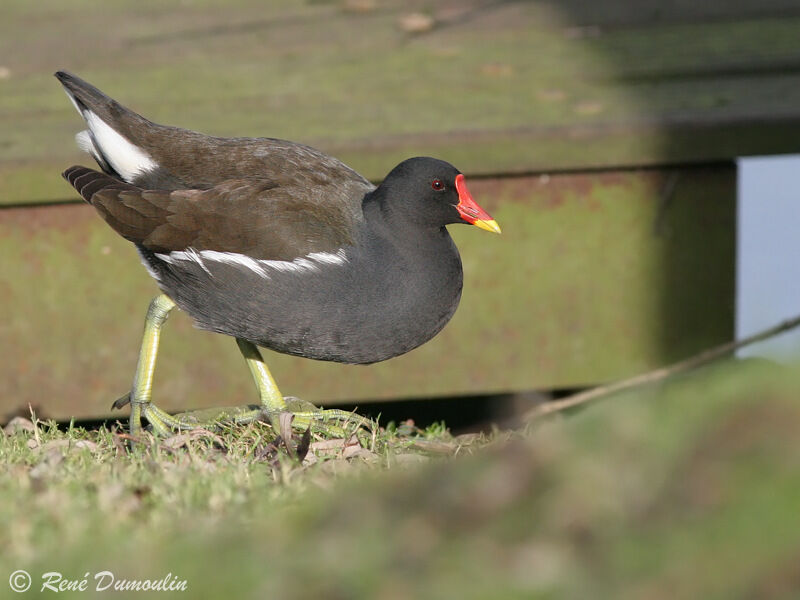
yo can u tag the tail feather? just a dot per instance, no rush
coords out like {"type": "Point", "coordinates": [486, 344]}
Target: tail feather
{"type": "Point", "coordinates": [88, 182]}
{"type": "Point", "coordinates": [133, 213]}
{"type": "Point", "coordinates": [111, 137]}
{"type": "Point", "coordinates": [86, 97]}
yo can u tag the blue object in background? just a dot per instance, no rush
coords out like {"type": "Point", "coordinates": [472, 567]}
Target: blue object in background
{"type": "Point", "coordinates": [768, 252]}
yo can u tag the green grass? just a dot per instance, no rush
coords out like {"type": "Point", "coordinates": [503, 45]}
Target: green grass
{"type": "Point", "coordinates": [686, 491]}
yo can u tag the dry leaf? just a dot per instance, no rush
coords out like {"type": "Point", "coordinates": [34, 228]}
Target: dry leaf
{"type": "Point", "coordinates": [181, 439]}
{"type": "Point", "coordinates": [410, 459]}
{"type": "Point", "coordinates": [85, 445]}
{"type": "Point", "coordinates": [358, 452]}
{"type": "Point", "coordinates": [18, 424]}
{"type": "Point", "coordinates": [434, 447]}
{"type": "Point", "coordinates": [497, 69]}
{"type": "Point", "coordinates": [176, 441]}
{"type": "Point", "coordinates": [328, 445]}
{"type": "Point", "coordinates": [267, 452]}
{"type": "Point", "coordinates": [303, 444]}
{"type": "Point", "coordinates": [358, 6]}
{"type": "Point", "coordinates": [551, 95]}
{"type": "Point", "coordinates": [354, 449]}
{"type": "Point", "coordinates": [60, 445]}
{"type": "Point", "coordinates": [465, 439]}
{"type": "Point", "coordinates": [589, 107]}
{"type": "Point", "coordinates": [53, 445]}
{"type": "Point", "coordinates": [416, 23]}
{"type": "Point", "coordinates": [285, 423]}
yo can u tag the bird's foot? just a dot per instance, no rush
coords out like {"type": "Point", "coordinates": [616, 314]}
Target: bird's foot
{"type": "Point", "coordinates": [325, 422]}
{"type": "Point", "coordinates": [273, 407]}
{"type": "Point", "coordinates": [331, 422]}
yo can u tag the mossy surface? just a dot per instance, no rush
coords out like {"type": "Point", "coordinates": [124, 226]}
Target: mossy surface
{"type": "Point", "coordinates": [595, 277]}
{"type": "Point", "coordinates": [505, 87]}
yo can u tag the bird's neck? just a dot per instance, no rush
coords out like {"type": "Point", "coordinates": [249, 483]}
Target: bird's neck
{"type": "Point", "coordinates": [392, 220]}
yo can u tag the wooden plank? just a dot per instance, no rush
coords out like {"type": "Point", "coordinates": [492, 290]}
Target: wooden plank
{"type": "Point", "coordinates": [493, 87]}
{"type": "Point", "coordinates": [596, 276]}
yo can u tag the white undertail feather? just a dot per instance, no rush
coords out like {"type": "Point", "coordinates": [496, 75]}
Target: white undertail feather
{"type": "Point", "coordinates": [261, 267]}
{"type": "Point", "coordinates": [108, 147]}
{"type": "Point", "coordinates": [85, 143]}
{"type": "Point", "coordinates": [125, 158]}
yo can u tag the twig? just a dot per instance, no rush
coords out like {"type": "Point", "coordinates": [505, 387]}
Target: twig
{"type": "Point", "coordinates": [688, 364]}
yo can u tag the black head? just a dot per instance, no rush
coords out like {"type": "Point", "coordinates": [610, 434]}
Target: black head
{"type": "Point", "coordinates": [431, 193]}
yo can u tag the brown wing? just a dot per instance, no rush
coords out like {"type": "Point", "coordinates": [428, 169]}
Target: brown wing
{"type": "Point", "coordinates": [249, 216]}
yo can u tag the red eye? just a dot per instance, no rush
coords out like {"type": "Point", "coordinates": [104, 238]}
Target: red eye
{"type": "Point", "coordinates": [437, 185]}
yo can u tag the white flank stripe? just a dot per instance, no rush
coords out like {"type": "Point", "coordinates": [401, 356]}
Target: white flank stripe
{"type": "Point", "coordinates": [309, 263]}
{"type": "Point", "coordinates": [185, 255]}
{"type": "Point", "coordinates": [231, 258]}
{"type": "Point", "coordinates": [328, 258]}
{"type": "Point", "coordinates": [125, 158]}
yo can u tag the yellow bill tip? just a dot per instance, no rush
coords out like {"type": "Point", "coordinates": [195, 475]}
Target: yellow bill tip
{"type": "Point", "coordinates": [488, 225]}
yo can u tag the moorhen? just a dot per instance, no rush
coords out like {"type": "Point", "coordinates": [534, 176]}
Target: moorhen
{"type": "Point", "coordinates": [274, 243]}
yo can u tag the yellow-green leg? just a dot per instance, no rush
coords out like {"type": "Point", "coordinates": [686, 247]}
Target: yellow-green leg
{"type": "Point", "coordinates": [142, 388]}
{"type": "Point", "coordinates": [272, 402]}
